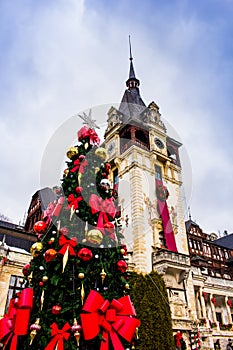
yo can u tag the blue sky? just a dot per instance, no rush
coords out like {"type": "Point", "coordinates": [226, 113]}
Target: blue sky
{"type": "Point", "coordinates": [61, 57]}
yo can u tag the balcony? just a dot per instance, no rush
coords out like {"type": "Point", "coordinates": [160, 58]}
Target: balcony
{"type": "Point", "coordinates": [164, 260]}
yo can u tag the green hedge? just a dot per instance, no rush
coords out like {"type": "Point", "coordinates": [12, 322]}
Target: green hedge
{"type": "Point", "coordinates": [150, 299]}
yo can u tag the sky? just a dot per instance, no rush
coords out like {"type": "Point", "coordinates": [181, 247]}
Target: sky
{"type": "Point", "coordinates": [59, 58]}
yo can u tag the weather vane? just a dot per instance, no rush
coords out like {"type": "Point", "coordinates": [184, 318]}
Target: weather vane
{"type": "Point", "coordinates": [87, 119]}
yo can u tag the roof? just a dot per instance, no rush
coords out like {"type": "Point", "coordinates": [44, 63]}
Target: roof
{"type": "Point", "coordinates": [226, 241]}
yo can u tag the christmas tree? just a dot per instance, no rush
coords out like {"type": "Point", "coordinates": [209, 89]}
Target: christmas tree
{"type": "Point", "coordinates": [76, 293]}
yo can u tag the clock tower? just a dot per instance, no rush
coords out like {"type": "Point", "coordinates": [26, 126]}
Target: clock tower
{"type": "Point", "coordinates": [146, 170]}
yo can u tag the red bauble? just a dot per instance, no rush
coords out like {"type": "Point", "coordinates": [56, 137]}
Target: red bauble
{"type": "Point", "coordinates": [64, 231]}
{"type": "Point", "coordinates": [78, 189]}
{"type": "Point", "coordinates": [122, 266]}
{"type": "Point", "coordinates": [41, 284]}
{"type": "Point", "coordinates": [40, 227]}
{"type": "Point", "coordinates": [56, 309]}
{"type": "Point", "coordinates": [50, 255]}
{"type": "Point", "coordinates": [26, 270]}
{"type": "Point", "coordinates": [85, 254]}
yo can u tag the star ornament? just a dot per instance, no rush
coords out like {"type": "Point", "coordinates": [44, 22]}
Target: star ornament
{"type": "Point", "coordinates": [87, 119]}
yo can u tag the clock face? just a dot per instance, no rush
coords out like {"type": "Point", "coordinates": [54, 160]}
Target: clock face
{"type": "Point", "coordinates": [159, 143]}
{"type": "Point", "coordinates": [111, 147]}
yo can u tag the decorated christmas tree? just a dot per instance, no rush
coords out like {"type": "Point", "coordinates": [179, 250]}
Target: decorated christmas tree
{"type": "Point", "coordinates": [76, 287]}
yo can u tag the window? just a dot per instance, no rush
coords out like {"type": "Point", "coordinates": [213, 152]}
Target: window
{"type": "Point", "coordinates": [162, 240]}
{"type": "Point", "coordinates": [158, 173]}
{"type": "Point", "coordinates": [219, 317]}
{"type": "Point", "coordinates": [14, 287]}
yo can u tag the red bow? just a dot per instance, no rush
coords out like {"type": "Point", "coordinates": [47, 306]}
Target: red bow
{"type": "Point", "coordinates": [114, 318]}
{"type": "Point", "coordinates": [58, 206]}
{"type": "Point", "coordinates": [58, 336]}
{"type": "Point", "coordinates": [79, 165]}
{"type": "Point", "coordinates": [67, 243]}
{"type": "Point", "coordinates": [85, 133]}
{"type": "Point", "coordinates": [105, 207]}
{"type": "Point", "coordinates": [16, 321]}
{"type": "Point", "coordinates": [73, 201]}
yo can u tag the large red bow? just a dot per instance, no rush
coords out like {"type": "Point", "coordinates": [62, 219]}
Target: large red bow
{"type": "Point", "coordinates": [79, 165]}
{"type": "Point", "coordinates": [113, 318]}
{"type": "Point", "coordinates": [16, 321]}
{"type": "Point", "coordinates": [85, 133]}
{"type": "Point", "coordinates": [73, 201]}
{"type": "Point", "coordinates": [106, 208]}
{"type": "Point", "coordinates": [58, 336]}
{"type": "Point", "coordinates": [67, 243]}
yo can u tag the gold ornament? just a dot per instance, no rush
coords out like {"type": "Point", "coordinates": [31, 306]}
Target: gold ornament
{"type": "Point", "coordinates": [21, 281]}
{"type": "Point", "coordinates": [65, 172]}
{"type": "Point", "coordinates": [35, 327]}
{"type": "Point", "coordinates": [72, 151]}
{"type": "Point", "coordinates": [65, 259]}
{"type": "Point", "coordinates": [96, 170]}
{"type": "Point", "coordinates": [86, 145]}
{"type": "Point", "coordinates": [94, 236]}
{"type": "Point", "coordinates": [122, 251]}
{"type": "Point", "coordinates": [52, 239]}
{"type": "Point", "coordinates": [45, 278]}
{"type": "Point", "coordinates": [76, 327]}
{"type": "Point", "coordinates": [79, 178]}
{"type": "Point", "coordinates": [127, 286]}
{"type": "Point", "coordinates": [81, 275]}
{"type": "Point", "coordinates": [103, 275]}
{"type": "Point", "coordinates": [101, 153]}
{"type": "Point", "coordinates": [82, 293]}
{"type": "Point", "coordinates": [36, 248]}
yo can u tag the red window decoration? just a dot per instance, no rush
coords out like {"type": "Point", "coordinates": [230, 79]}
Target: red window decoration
{"type": "Point", "coordinates": [214, 301]}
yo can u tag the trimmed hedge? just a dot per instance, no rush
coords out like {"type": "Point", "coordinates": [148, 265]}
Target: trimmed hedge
{"type": "Point", "coordinates": [150, 299]}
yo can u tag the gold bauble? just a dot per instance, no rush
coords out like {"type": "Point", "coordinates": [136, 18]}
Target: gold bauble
{"type": "Point", "coordinates": [122, 251]}
{"type": "Point", "coordinates": [81, 275]}
{"type": "Point", "coordinates": [101, 153]}
{"type": "Point", "coordinates": [103, 275]}
{"type": "Point", "coordinates": [126, 286]}
{"type": "Point", "coordinates": [72, 151]}
{"type": "Point", "coordinates": [94, 236]}
{"type": "Point", "coordinates": [45, 278]}
{"type": "Point", "coordinates": [52, 239]}
{"type": "Point", "coordinates": [36, 248]}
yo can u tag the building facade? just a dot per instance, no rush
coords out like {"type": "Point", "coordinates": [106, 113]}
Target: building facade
{"type": "Point", "coordinates": [15, 245]}
{"type": "Point", "coordinates": [146, 170]}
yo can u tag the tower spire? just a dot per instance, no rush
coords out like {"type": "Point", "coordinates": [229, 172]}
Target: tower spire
{"type": "Point", "coordinates": [132, 82]}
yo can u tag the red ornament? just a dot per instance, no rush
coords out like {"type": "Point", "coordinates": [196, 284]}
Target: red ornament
{"type": "Point", "coordinates": [50, 255]}
{"type": "Point", "coordinates": [85, 254]}
{"type": "Point", "coordinates": [41, 284]}
{"type": "Point", "coordinates": [123, 246]}
{"type": "Point", "coordinates": [56, 309]}
{"type": "Point", "coordinates": [78, 189]}
{"type": "Point", "coordinates": [122, 266]}
{"type": "Point", "coordinates": [26, 270]}
{"type": "Point", "coordinates": [40, 227]}
{"type": "Point", "coordinates": [64, 231]}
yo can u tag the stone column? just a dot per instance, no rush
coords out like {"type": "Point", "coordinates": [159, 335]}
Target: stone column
{"type": "Point", "coordinates": [139, 239]}
{"type": "Point", "coordinates": [203, 307]}
{"type": "Point", "coordinates": [228, 310]}
{"type": "Point", "coordinates": [213, 310]}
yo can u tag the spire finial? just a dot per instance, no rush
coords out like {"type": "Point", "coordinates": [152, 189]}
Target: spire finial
{"type": "Point", "coordinates": [130, 50]}
{"type": "Point", "coordinates": [189, 211]}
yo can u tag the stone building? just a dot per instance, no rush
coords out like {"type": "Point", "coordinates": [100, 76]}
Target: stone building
{"type": "Point", "coordinates": [15, 245]}
{"type": "Point", "coordinates": [146, 170]}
